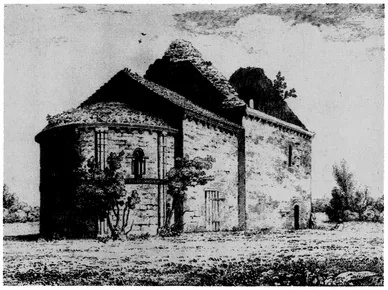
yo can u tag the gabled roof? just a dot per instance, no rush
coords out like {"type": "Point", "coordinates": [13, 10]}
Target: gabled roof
{"type": "Point", "coordinates": [177, 99]}
{"type": "Point", "coordinates": [161, 91]}
{"type": "Point", "coordinates": [182, 50]}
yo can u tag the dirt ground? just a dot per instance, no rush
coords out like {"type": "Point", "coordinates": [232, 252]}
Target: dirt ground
{"type": "Point", "coordinates": [203, 249]}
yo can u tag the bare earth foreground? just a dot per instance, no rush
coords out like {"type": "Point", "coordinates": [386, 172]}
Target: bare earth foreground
{"type": "Point", "coordinates": [223, 258]}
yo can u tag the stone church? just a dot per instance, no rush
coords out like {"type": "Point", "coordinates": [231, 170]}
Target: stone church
{"type": "Point", "coordinates": [182, 105]}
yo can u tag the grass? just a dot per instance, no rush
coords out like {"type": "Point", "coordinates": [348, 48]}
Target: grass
{"type": "Point", "coordinates": [224, 258]}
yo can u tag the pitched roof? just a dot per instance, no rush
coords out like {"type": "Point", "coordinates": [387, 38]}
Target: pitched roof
{"type": "Point", "coordinates": [161, 91]}
{"type": "Point", "coordinates": [177, 99]}
{"type": "Point", "coordinates": [182, 50]}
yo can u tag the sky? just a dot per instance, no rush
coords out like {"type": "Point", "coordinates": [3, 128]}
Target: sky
{"type": "Point", "coordinates": [55, 56]}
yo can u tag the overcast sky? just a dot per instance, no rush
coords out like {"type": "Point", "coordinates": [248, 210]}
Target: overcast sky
{"type": "Point", "coordinates": [55, 56]}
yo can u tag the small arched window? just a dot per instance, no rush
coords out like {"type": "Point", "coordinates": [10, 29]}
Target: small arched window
{"type": "Point", "coordinates": [251, 103]}
{"type": "Point", "coordinates": [138, 163]}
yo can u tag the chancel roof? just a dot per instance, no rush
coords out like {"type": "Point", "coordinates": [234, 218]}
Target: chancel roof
{"type": "Point", "coordinates": [107, 112]}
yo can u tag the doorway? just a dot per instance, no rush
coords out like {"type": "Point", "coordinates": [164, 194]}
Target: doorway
{"type": "Point", "coordinates": [212, 210]}
{"type": "Point", "coordinates": [296, 217]}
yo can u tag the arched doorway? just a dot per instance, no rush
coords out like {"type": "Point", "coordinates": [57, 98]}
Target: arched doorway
{"type": "Point", "coordinates": [296, 217]}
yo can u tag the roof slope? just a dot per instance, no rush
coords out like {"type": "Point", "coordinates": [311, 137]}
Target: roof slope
{"type": "Point", "coordinates": [182, 50]}
{"type": "Point", "coordinates": [176, 98]}
{"type": "Point", "coordinates": [112, 112]}
{"type": "Point", "coordinates": [126, 78]}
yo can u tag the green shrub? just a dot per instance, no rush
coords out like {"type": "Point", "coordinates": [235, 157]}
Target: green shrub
{"type": "Point", "coordinates": [15, 211]}
{"type": "Point", "coordinates": [142, 236]}
{"type": "Point", "coordinates": [349, 203]}
{"type": "Point", "coordinates": [351, 216]}
{"type": "Point", "coordinates": [320, 204]}
{"type": "Point", "coordinates": [170, 231]}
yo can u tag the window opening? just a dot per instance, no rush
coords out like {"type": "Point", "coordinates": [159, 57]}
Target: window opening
{"type": "Point", "coordinates": [289, 155]}
{"type": "Point", "coordinates": [100, 148]}
{"type": "Point", "coordinates": [138, 163]}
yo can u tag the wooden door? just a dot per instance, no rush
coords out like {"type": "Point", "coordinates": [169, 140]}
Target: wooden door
{"type": "Point", "coordinates": [212, 210]}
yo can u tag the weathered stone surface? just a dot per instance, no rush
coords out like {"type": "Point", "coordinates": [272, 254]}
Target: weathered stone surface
{"type": "Point", "coordinates": [201, 141]}
{"type": "Point", "coordinates": [128, 142]}
{"type": "Point", "coordinates": [273, 188]}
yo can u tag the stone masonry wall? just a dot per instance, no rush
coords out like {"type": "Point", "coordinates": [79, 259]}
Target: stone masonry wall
{"type": "Point", "coordinates": [273, 187]}
{"type": "Point", "coordinates": [145, 214]}
{"type": "Point", "coordinates": [200, 140]}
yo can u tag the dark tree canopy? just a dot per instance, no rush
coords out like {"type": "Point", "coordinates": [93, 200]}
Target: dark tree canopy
{"type": "Point", "coordinates": [280, 87]}
{"type": "Point", "coordinates": [349, 202]}
{"type": "Point", "coordinates": [251, 83]}
{"type": "Point", "coordinates": [102, 193]}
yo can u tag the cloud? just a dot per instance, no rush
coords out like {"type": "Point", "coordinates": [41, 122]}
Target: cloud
{"type": "Point", "coordinates": [77, 8]}
{"type": "Point", "coordinates": [351, 21]}
{"type": "Point", "coordinates": [99, 8]}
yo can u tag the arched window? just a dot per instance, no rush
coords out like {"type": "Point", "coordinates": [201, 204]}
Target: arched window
{"type": "Point", "coordinates": [251, 103]}
{"type": "Point", "coordinates": [138, 163]}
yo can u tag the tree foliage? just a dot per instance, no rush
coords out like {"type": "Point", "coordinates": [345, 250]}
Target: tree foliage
{"type": "Point", "coordinates": [15, 211]}
{"type": "Point", "coordinates": [103, 192]}
{"type": "Point", "coordinates": [349, 202]}
{"type": "Point", "coordinates": [186, 173]}
{"type": "Point", "coordinates": [252, 85]}
{"type": "Point", "coordinates": [9, 198]}
{"type": "Point", "coordinates": [320, 204]}
{"type": "Point", "coordinates": [280, 87]}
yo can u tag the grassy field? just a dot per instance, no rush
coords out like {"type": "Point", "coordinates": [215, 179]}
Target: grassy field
{"type": "Point", "coordinates": [200, 258]}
